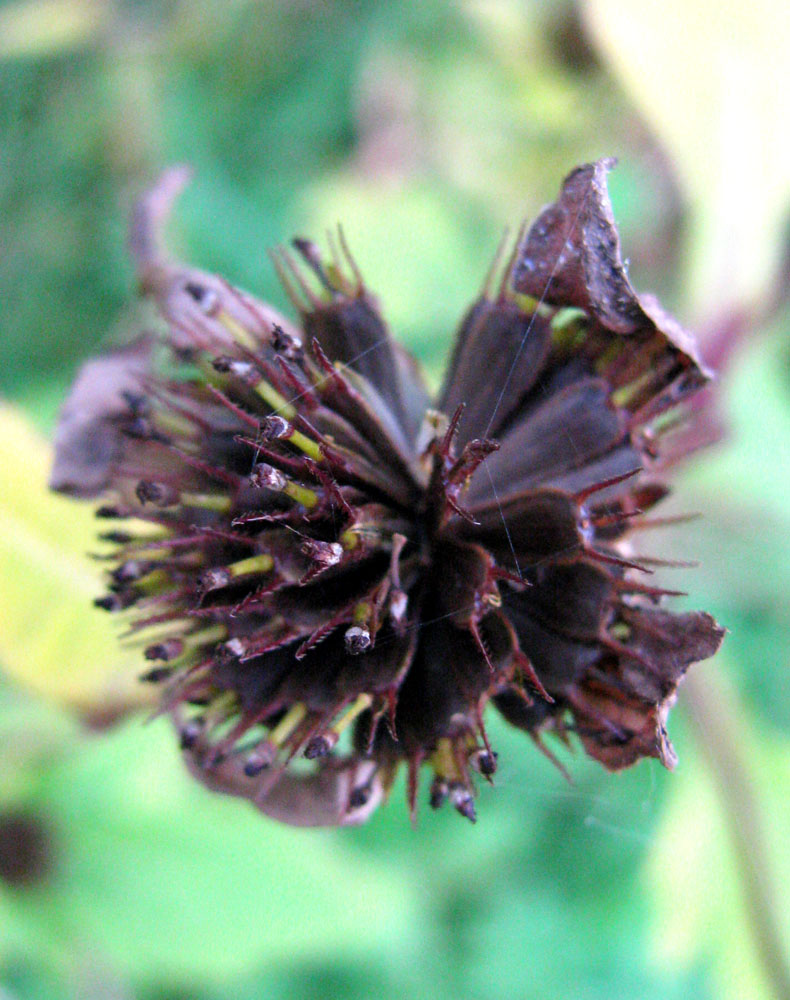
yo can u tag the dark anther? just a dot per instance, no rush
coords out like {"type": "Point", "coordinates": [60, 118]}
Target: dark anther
{"type": "Point", "coordinates": [108, 512]}
{"type": "Point", "coordinates": [484, 761]}
{"type": "Point", "coordinates": [157, 675]}
{"type": "Point", "coordinates": [117, 537]}
{"type": "Point", "coordinates": [359, 797]}
{"type": "Point", "coordinates": [190, 733]}
{"type": "Point", "coordinates": [439, 792]}
{"type": "Point", "coordinates": [319, 746]}
{"type": "Point", "coordinates": [116, 601]}
{"type": "Point", "coordinates": [213, 579]}
{"type": "Point", "coordinates": [244, 370]}
{"type": "Point", "coordinates": [130, 570]}
{"type": "Point", "coordinates": [283, 343]}
{"type": "Point", "coordinates": [167, 650]}
{"type": "Point", "coordinates": [157, 493]}
{"type": "Point", "coordinates": [255, 763]}
{"type": "Point", "coordinates": [273, 427]}
{"type": "Point", "coordinates": [357, 640]}
{"type": "Point", "coordinates": [267, 477]}
{"type": "Point", "coordinates": [324, 553]}
{"type": "Point", "coordinates": [206, 298]}
{"type": "Point", "coordinates": [462, 800]}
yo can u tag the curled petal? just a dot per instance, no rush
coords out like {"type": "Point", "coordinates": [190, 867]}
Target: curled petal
{"type": "Point", "coordinates": [323, 798]}
{"type": "Point", "coordinates": [571, 257]}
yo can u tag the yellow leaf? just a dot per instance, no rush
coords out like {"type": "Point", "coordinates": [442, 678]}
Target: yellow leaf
{"type": "Point", "coordinates": [713, 80]}
{"type": "Point", "coordinates": [52, 639]}
{"type": "Point", "coordinates": [44, 27]}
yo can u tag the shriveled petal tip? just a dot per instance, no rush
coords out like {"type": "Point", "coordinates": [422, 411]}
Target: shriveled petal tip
{"type": "Point", "coordinates": [571, 257]}
{"type": "Point", "coordinates": [148, 218]}
{"type": "Point", "coordinates": [193, 302]}
{"type": "Point", "coordinates": [345, 794]}
{"type": "Point", "coordinates": [624, 719]}
{"type": "Point", "coordinates": [89, 438]}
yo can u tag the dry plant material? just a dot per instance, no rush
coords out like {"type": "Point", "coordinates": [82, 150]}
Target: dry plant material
{"type": "Point", "coordinates": [321, 562]}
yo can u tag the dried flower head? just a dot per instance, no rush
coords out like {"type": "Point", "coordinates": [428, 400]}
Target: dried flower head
{"type": "Point", "coordinates": [323, 563]}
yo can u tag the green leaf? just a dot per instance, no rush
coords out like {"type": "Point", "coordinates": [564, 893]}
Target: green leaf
{"type": "Point", "coordinates": [704, 901]}
{"type": "Point", "coordinates": [158, 878]}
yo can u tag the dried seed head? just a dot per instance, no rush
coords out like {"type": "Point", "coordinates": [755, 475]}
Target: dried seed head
{"type": "Point", "coordinates": [330, 551]}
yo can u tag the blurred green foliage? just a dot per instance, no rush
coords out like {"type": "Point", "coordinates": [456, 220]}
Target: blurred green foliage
{"type": "Point", "coordinates": [425, 128]}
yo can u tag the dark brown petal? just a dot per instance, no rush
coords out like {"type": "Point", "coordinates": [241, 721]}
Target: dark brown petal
{"type": "Point", "coordinates": [381, 669]}
{"type": "Point", "coordinates": [257, 682]}
{"type": "Point", "coordinates": [351, 331]}
{"type": "Point", "coordinates": [413, 391]}
{"type": "Point", "coordinates": [670, 642]}
{"type": "Point", "coordinates": [448, 677]}
{"type": "Point", "coordinates": [461, 579]}
{"type": "Point", "coordinates": [89, 440]}
{"type": "Point", "coordinates": [558, 661]}
{"type": "Point", "coordinates": [571, 257]}
{"type": "Point", "coordinates": [499, 356]}
{"type": "Point", "coordinates": [537, 526]}
{"type": "Point", "coordinates": [617, 463]}
{"type": "Point", "coordinates": [568, 431]}
{"type": "Point", "coordinates": [520, 713]}
{"type": "Point", "coordinates": [341, 392]}
{"type": "Point", "coordinates": [575, 600]}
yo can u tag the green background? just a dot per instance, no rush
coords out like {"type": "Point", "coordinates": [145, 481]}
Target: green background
{"type": "Point", "coordinates": [426, 128]}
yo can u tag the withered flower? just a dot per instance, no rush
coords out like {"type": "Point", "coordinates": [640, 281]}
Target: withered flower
{"type": "Point", "coordinates": [321, 562]}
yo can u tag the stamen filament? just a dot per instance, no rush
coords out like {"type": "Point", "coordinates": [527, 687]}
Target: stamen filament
{"type": "Point", "coordinates": [363, 702]}
{"type": "Point", "coordinates": [236, 330]}
{"type": "Point", "coordinates": [287, 724]}
{"type": "Point", "coordinates": [253, 564]}
{"type": "Point", "coordinates": [209, 501]}
{"type": "Point", "coordinates": [272, 398]}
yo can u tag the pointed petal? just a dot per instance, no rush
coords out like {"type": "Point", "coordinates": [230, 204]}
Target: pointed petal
{"type": "Point", "coordinates": [500, 353]}
{"type": "Point", "coordinates": [575, 599]}
{"type": "Point", "coordinates": [558, 660]}
{"type": "Point", "coordinates": [448, 677]}
{"type": "Point", "coordinates": [536, 526]}
{"type": "Point", "coordinates": [345, 319]}
{"type": "Point", "coordinates": [568, 431]}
